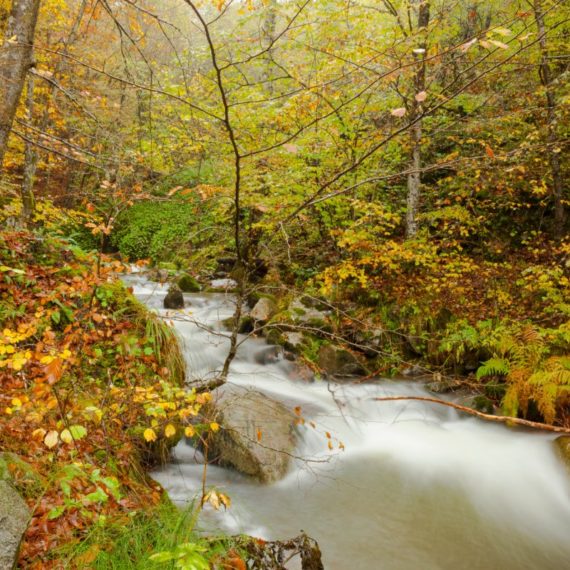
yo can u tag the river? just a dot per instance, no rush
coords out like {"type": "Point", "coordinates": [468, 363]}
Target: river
{"type": "Point", "coordinates": [417, 486]}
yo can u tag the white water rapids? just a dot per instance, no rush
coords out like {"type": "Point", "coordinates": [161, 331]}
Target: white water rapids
{"type": "Point", "coordinates": [418, 487]}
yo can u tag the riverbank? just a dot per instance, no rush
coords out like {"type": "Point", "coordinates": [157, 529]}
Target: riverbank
{"type": "Point", "coordinates": [92, 396]}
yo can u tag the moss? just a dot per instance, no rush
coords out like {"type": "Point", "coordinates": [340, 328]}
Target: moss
{"type": "Point", "coordinates": [483, 404]}
{"type": "Point", "coordinates": [255, 296]}
{"type": "Point", "coordinates": [274, 336]}
{"type": "Point", "coordinates": [320, 324]}
{"type": "Point", "coordinates": [246, 325]}
{"type": "Point", "coordinates": [21, 474]}
{"type": "Point", "coordinates": [188, 284]}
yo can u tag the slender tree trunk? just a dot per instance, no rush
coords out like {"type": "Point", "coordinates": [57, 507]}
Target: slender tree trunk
{"type": "Point", "coordinates": [553, 155]}
{"type": "Point", "coordinates": [269, 35]}
{"type": "Point", "coordinates": [31, 161]}
{"type": "Point", "coordinates": [15, 60]}
{"type": "Point", "coordinates": [414, 178]}
{"type": "Point", "coordinates": [32, 156]}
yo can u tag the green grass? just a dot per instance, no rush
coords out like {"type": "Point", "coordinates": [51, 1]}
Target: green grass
{"type": "Point", "coordinates": [128, 544]}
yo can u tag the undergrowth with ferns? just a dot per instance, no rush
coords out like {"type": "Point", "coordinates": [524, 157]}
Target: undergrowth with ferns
{"type": "Point", "coordinates": [91, 391]}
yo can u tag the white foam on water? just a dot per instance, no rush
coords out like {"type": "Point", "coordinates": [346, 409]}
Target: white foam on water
{"type": "Point", "coordinates": [417, 487]}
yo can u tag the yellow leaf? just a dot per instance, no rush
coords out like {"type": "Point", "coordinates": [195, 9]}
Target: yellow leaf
{"type": "Point", "coordinates": [65, 436]}
{"type": "Point", "coordinates": [169, 430]}
{"type": "Point", "coordinates": [225, 500]}
{"type": "Point", "coordinates": [189, 431]}
{"type": "Point", "coordinates": [212, 498]}
{"type": "Point", "coordinates": [38, 433]}
{"type": "Point", "coordinates": [51, 439]}
{"type": "Point", "coordinates": [149, 435]}
{"type": "Point", "coordinates": [214, 426]}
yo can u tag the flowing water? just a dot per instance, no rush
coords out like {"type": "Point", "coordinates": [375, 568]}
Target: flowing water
{"type": "Point", "coordinates": [416, 487]}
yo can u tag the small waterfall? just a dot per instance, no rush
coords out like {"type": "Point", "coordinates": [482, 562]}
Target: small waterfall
{"type": "Point", "coordinates": [417, 487]}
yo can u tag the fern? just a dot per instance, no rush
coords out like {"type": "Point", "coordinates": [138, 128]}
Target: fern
{"type": "Point", "coordinates": [493, 367]}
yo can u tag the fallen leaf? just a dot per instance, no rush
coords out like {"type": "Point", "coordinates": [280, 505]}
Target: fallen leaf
{"type": "Point", "coordinates": [51, 439]}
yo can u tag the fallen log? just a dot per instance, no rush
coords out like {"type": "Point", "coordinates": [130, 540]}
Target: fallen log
{"type": "Point", "coordinates": [476, 413]}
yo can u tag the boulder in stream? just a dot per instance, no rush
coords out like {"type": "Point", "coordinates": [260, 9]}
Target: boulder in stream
{"type": "Point", "coordinates": [339, 362]}
{"type": "Point", "coordinates": [188, 284]}
{"type": "Point", "coordinates": [263, 310]}
{"type": "Point", "coordinates": [174, 298]}
{"type": "Point", "coordinates": [257, 434]}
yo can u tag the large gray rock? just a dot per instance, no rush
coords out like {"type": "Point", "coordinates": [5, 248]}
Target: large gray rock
{"type": "Point", "coordinates": [309, 317]}
{"type": "Point", "coordinates": [174, 298]}
{"type": "Point", "coordinates": [257, 435]}
{"type": "Point", "coordinates": [263, 310]}
{"type": "Point", "coordinates": [14, 517]}
{"type": "Point", "coordinates": [339, 362]}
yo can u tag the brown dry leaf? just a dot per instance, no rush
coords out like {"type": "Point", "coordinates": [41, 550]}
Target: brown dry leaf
{"type": "Point", "coordinates": [399, 112]}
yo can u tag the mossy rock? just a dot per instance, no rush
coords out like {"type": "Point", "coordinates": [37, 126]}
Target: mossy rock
{"type": "Point", "coordinates": [339, 362]}
{"type": "Point", "coordinates": [255, 296]}
{"type": "Point", "coordinates": [274, 336]}
{"type": "Point", "coordinates": [188, 284]}
{"type": "Point", "coordinates": [483, 404]}
{"type": "Point", "coordinates": [169, 266]}
{"type": "Point", "coordinates": [157, 453]}
{"type": "Point", "coordinates": [21, 475]}
{"type": "Point", "coordinates": [246, 325]}
{"type": "Point", "coordinates": [174, 298]}
{"type": "Point", "coordinates": [319, 324]}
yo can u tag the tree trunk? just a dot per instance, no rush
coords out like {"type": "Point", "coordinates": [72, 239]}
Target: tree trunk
{"type": "Point", "coordinates": [553, 153]}
{"type": "Point", "coordinates": [31, 161]}
{"type": "Point", "coordinates": [416, 111]}
{"type": "Point", "coordinates": [15, 61]}
{"type": "Point", "coordinates": [32, 155]}
{"type": "Point", "coordinates": [268, 31]}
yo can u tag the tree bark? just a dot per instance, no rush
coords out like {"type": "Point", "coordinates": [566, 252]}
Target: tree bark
{"type": "Point", "coordinates": [15, 61]}
{"type": "Point", "coordinates": [31, 154]}
{"type": "Point", "coordinates": [545, 75]}
{"type": "Point", "coordinates": [30, 162]}
{"type": "Point", "coordinates": [416, 111]}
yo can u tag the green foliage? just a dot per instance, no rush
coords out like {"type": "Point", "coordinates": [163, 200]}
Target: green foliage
{"type": "Point", "coordinates": [127, 545]}
{"type": "Point", "coordinates": [493, 367]}
{"type": "Point", "coordinates": [173, 230]}
{"type": "Point", "coordinates": [533, 362]}
{"type": "Point", "coordinates": [154, 229]}
{"type": "Point", "coordinates": [188, 284]}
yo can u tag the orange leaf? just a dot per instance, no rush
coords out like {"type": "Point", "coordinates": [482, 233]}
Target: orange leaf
{"type": "Point", "coordinates": [489, 151]}
{"type": "Point", "coordinates": [54, 370]}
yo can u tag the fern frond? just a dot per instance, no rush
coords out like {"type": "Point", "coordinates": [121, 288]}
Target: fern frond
{"type": "Point", "coordinates": [493, 367]}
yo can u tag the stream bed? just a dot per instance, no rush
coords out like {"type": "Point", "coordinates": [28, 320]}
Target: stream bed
{"type": "Point", "coordinates": [417, 486]}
